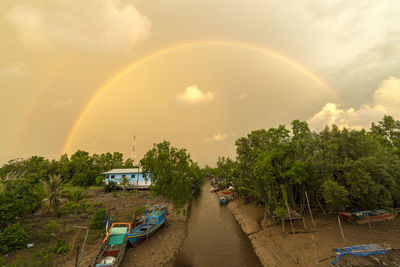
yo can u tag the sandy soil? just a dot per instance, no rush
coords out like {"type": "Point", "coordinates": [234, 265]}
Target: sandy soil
{"type": "Point", "coordinates": [277, 248]}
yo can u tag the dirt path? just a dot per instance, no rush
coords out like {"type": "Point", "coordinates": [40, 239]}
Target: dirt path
{"type": "Point", "coordinates": [275, 248]}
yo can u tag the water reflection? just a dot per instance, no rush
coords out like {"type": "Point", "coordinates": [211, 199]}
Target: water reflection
{"type": "Point", "coordinates": [214, 238]}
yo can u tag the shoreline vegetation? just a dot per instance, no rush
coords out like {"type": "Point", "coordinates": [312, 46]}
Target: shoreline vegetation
{"type": "Point", "coordinates": [52, 203]}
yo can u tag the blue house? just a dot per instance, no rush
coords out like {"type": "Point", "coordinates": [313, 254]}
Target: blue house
{"type": "Point", "coordinates": [134, 176]}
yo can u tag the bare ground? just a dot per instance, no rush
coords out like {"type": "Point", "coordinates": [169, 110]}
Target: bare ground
{"type": "Point", "coordinates": [277, 248]}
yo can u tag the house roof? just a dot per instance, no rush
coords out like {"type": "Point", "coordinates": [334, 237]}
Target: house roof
{"type": "Point", "coordinates": [120, 171]}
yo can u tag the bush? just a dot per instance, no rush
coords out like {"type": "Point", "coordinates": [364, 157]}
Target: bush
{"type": "Point", "coordinates": [50, 229]}
{"type": "Point", "coordinates": [110, 187]}
{"type": "Point", "coordinates": [99, 180]}
{"type": "Point", "coordinates": [52, 226]}
{"type": "Point", "coordinates": [13, 237]}
{"type": "Point", "coordinates": [41, 258]}
{"type": "Point", "coordinates": [61, 247]}
{"type": "Point", "coordinates": [71, 207]}
{"type": "Point", "coordinates": [98, 219]}
{"type": "Point", "coordinates": [335, 195]}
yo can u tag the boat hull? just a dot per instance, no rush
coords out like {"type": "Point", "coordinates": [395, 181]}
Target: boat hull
{"type": "Point", "coordinates": [355, 217]}
{"type": "Point", "coordinates": [135, 237]}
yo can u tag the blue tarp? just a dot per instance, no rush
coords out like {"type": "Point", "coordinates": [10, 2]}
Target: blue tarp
{"type": "Point", "coordinates": [359, 250]}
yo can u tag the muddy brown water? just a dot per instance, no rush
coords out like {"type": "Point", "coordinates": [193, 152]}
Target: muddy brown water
{"type": "Point", "coordinates": [214, 237]}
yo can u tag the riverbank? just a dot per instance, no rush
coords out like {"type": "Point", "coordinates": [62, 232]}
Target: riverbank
{"type": "Point", "coordinates": [277, 248]}
{"type": "Point", "coordinates": [159, 250]}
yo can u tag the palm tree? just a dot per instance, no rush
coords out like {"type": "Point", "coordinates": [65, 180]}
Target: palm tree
{"type": "Point", "coordinates": [124, 182]}
{"type": "Point", "coordinates": [53, 186]}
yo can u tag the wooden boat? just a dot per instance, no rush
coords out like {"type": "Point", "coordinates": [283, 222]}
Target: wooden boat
{"type": "Point", "coordinates": [362, 217]}
{"type": "Point", "coordinates": [222, 200]}
{"type": "Point", "coordinates": [113, 248]}
{"type": "Point", "coordinates": [150, 223]}
{"type": "Point", "coordinates": [366, 255]}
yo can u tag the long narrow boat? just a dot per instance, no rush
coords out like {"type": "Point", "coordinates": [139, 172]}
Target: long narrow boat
{"type": "Point", "coordinates": [150, 223]}
{"type": "Point", "coordinates": [113, 248]}
{"type": "Point", "coordinates": [362, 217]}
{"type": "Point", "coordinates": [366, 255]}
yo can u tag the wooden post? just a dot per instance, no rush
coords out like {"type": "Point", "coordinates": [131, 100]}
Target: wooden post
{"type": "Point", "coordinates": [341, 230]}
{"type": "Point", "coordinates": [291, 224]}
{"type": "Point", "coordinates": [309, 209]}
{"type": "Point", "coordinates": [77, 256]}
{"type": "Point", "coordinates": [84, 242]}
{"type": "Point", "coordinates": [315, 250]}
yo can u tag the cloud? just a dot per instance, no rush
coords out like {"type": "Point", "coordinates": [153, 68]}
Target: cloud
{"type": "Point", "coordinates": [93, 25]}
{"type": "Point", "coordinates": [14, 69]}
{"type": "Point", "coordinates": [63, 103]}
{"type": "Point", "coordinates": [242, 95]}
{"type": "Point", "coordinates": [217, 137]}
{"type": "Point", "coordinates": [193, 95]}
{"type": "Point", "coordinates": [386, 101]}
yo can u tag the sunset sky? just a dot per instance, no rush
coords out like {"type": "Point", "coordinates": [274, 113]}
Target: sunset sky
{"type": "Point", "coordinates": [92, 74]}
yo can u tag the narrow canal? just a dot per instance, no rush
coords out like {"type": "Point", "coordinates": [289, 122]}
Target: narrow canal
{"type": "Point", "coordinates": [214, 237]}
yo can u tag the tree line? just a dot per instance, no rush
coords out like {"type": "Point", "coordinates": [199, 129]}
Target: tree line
{"type": "Point", "coordinates": [338, 168]}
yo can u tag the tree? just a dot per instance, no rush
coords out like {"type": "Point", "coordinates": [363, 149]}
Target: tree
{"type": "Point", "coordinates": [124, 182]}
{"type": "Point", "coordinates": [53, 186]}
{"type": "Point", "coordinates": [172, 172]}
{"type": "Point", "coordinates": [18, 196]}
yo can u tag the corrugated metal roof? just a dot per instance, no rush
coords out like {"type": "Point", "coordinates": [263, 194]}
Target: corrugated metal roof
{"type": "Point", "coordinates": [117, 171]}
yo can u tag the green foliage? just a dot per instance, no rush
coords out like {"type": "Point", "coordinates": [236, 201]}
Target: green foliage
{"type": "Point", "coordinates": [139, 211]}
{"type": "Point", "coordinates": [53, 186]}
{"type": "Point", "coordinates": [13, 237]}
{"type": "Point", "coordinates": [110, 187]}
{"type": "Point", "coordinates": [74, 208]}
{"type": "Point", "coordinates": [280, 211]}
{"type": "Point", "coordinates": [100, 180]}
{"type": "Point", "coordinates": [172, 172]}
{"type": "Point", "coordinates": [43, 258]}
{"type": "Point", "coordinates": [52, 227]}
{"type": "Point", "coordinates": [278, 165]}
{"type": "Point", "coordinates": [98, 219]}
{"type": "Point", "coordinates": [124, 182]}
{"type": "Point", "coordinates": [335, 195]}
{"type": "Point", "coordinates": [19, 196]}
{"type": "Point", "coordinates": [61, 247]}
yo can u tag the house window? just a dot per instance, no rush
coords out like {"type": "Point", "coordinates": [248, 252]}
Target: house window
{"type": "Point", "coordinates": [112, 176]}
{"type": "Point", "coordinates": [132, 176]}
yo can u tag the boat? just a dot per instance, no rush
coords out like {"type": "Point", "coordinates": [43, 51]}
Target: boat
{"type": "Point", "coordinates": [222, 200]}
{"type": "Point", "coordinates": [150, 223]}
{"type": "Point", "coordinates": [113, 248]}
{"type": "Point", "coordinates": [367, 255]}
{"type": "Point", "coordinates": [363, 217]}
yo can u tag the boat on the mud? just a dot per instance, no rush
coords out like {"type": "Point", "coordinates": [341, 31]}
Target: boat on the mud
{"type": "Point", "coordinates": [366, 255]}
{"type": "Point", "coordinates": [150, 223]}
{"type": "Point", "coordinates": [222, 200]}
{"type": "Point", "coordinates": [362, 217]}
{"type": "Point", "coordinates": [113, 248]}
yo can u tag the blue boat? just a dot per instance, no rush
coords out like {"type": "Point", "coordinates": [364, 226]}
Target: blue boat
{"type": "Point", "coordinates": [359, 250]}
{"type": "Point", "coordinates": [150, 223]}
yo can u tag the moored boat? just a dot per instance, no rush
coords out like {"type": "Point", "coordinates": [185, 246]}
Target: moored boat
{"type": "Point", "coordinates": [150, 223]}
{"type": "Point", "coordinates": [363, 217]}
{"type": "Point", "coordinates": [113, 248]}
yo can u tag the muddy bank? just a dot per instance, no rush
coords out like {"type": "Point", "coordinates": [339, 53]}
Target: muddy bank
{"type": "Point", "coordinates": [161, 248]}
{"type": "Point", "coordinates": [277, 248]}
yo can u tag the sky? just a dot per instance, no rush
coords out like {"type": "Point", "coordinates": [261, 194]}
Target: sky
{"type": "Point", "coordinates": [92, 74]}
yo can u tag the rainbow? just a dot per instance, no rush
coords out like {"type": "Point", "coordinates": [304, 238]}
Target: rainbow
{"type": "Point", "coordinates": [100, 92]}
